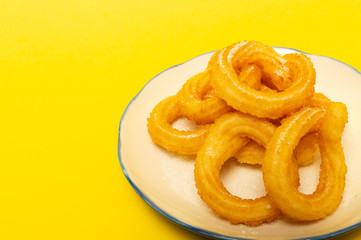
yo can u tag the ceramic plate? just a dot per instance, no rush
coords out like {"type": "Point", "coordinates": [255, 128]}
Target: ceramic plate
{"type": "Point", "coordinates": [165, 180]}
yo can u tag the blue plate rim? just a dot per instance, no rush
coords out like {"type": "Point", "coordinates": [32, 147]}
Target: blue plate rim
{"type": "Point", "coordinates": [200, 230]}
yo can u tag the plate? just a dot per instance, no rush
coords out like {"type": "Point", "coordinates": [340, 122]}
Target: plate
{"type": "Point", "coordinates": [165, 180]}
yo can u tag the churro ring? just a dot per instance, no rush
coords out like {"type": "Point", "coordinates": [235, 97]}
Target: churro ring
{"type": "Point", "coordinates": [198, 99]}
{"type": "Point", "coordinates": [276, 165]}
{"type": "Point", "coordinates": [227, 135]}
{"type": "Point", "coordinates": [259, 103]}
{"type": "Point", "coordinates": [163, 134]}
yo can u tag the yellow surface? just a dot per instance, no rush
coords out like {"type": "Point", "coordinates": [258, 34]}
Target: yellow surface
{"type": "Point", "coordinates": [68, 68]}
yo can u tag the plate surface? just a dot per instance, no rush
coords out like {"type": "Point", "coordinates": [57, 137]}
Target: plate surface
{"type": "Point", "coordinates": [165, 180]}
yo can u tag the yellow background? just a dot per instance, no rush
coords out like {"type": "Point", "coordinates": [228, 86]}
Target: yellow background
{"type": "Point", "coordinates": [68, 69]}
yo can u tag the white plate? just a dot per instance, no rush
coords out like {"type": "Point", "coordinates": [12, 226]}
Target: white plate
{"type": "Point", "coordinates": [165, 180]}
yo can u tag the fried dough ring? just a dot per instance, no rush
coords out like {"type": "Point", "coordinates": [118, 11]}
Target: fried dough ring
{"type": "Point", "coordinates": [163, 134]}
{"type": "Point", "coordinates": [263, 104]}
{"type": "Point", "coordinates": [198, 99]}
{"type": "Point", "coordinates": [276, 163]}
{"type": "Point", "coordinates": [225, 138]}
